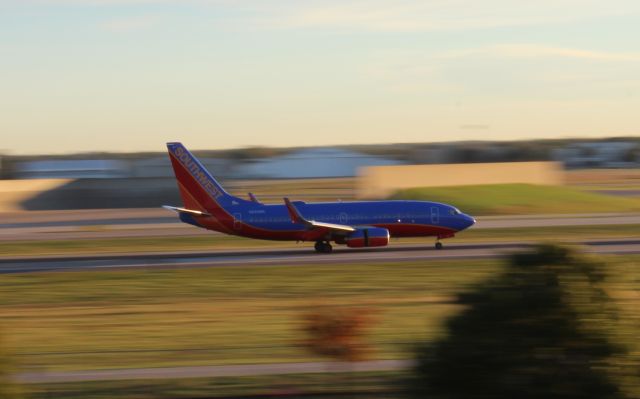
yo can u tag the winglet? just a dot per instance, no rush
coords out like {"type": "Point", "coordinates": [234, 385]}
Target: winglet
{"type": "Point", "coordinates": [253, 198]}
{"type": "Point", "coordinates": [295, 215]}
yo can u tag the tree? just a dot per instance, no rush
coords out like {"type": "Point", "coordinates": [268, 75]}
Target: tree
{"type": "Point", "coordinates": [542, 329]}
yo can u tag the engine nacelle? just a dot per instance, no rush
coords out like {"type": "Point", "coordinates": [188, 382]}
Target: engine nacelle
{"type": "Point", "coordinates": [368, 237]}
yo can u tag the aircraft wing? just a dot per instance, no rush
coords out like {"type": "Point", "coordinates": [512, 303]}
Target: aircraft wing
{"type": "Point", "coordinates": [296, 217]}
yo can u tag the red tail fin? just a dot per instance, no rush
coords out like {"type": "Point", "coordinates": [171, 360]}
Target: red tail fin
{"type": "Point", "coordinates": [198, 189]}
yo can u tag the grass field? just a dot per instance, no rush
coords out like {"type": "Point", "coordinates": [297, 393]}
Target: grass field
{"type": "Point", "coordinates": [232, 315]}
{"type": "Point", "coordinates": [76, 320]}
{"type": "Point", "coordinates": [238, 315]}
{"type": "Point", "coordinates": [222, 242]}
{"type": "Point", "coordinates": [514, 199]}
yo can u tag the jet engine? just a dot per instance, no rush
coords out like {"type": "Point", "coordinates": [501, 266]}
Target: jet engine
{"type": "Point", "coordinates": [368, 237]}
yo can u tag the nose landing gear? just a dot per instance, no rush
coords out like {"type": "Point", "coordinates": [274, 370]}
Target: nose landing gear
{"type": "Point", "coordinates": [440, 237]}
{"type": "Point", "coordinates": [323, 247]}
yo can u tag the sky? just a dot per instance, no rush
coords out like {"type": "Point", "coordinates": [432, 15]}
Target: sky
{"type": "Point", "coordinates": [130, 75]}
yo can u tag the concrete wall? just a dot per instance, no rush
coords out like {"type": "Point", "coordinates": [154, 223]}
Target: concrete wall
{"type": "Point", "coordinates": [630, 177]}
{"type": "Point", "coordinates": [382, 181]}
{"type": "Point", "coordinates": [13, 193]}
{"type": "Point", "coordinates": [53, 194]}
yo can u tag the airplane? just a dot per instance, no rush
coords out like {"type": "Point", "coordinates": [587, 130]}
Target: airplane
{"type": "Point", "coordinates": [356, 224]}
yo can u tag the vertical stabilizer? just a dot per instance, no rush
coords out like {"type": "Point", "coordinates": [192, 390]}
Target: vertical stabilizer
{"type": "Point", "coordinates": [198, 188]}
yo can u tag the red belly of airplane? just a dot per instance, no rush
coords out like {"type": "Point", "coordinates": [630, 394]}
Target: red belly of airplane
{"type": "Point", "coordinates": [416, 230]}
{"type": "Point", "coordinates": [395, 229]}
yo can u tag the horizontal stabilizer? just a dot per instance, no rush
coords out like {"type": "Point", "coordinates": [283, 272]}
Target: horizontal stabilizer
{"type": "Point", "coordinates": [184, 210]}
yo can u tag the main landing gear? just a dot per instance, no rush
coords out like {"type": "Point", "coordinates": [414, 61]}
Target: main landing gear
{"type": "Point", "coordinates": [439, 245]}
{"type": "Point", "coordinates": [323, 247]}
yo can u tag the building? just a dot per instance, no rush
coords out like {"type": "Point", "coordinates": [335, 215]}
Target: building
{"type": "Point", "coordinates": [310, 163]}
{"type": "Point", "coordinates": [161, 167]}
{"type": "Point", "coordinates": [616, 154]}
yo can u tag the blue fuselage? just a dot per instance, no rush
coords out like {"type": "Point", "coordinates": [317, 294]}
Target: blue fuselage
{"type": "Point", "coordinates": [401, 218]}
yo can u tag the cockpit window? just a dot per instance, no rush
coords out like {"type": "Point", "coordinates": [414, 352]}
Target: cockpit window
{"type": "Point", "coordinates": [454, 211]}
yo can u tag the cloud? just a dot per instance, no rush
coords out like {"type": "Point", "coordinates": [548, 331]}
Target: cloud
{"type": "Point", "coordinates": [527, 50]}
{"type": "Point", "coordinates": [86, 2]}
{"type": "Point", "coordinates": [115, 2]}
{"type": "Point", "coordinates": [534, 68]}
{"type": "Point", "coordinates": [440, 15]}
{"type": "Point", "coordinates": [392, 15]}
{"type": "Point", "coordinates": [131, 23]}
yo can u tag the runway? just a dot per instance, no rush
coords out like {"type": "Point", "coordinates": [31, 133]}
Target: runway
{"type": "Point", "coordinates": [110, 223]}
{"type": "Point", "coordinates": [278, 257]}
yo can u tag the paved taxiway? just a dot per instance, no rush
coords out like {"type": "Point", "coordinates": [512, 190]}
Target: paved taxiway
{"type": "Point", "coordinates": [241, 370]}
{"type": "Point", "coordinates": [302, 256]}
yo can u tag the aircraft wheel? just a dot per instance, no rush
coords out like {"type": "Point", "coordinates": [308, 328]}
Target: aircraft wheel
{"type": "Point", "coordinates": [438, 245]}
{"type": "Point", "coordinates": [323, 247]}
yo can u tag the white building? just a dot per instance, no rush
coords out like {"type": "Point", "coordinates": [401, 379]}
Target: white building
{"type": "Point", "coordinates": [161, 167]}
{"type": "Point", "coordinates": [72, 169]}
{"type": "Point", "coordinates": [310, 163]}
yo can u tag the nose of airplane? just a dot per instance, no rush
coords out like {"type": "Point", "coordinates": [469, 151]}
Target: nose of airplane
{"type": "Point", "coordinates": [469, 221]}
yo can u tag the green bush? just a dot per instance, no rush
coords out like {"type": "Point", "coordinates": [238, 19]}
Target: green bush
{"type": "Point", "coordinates": [543, 329]}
